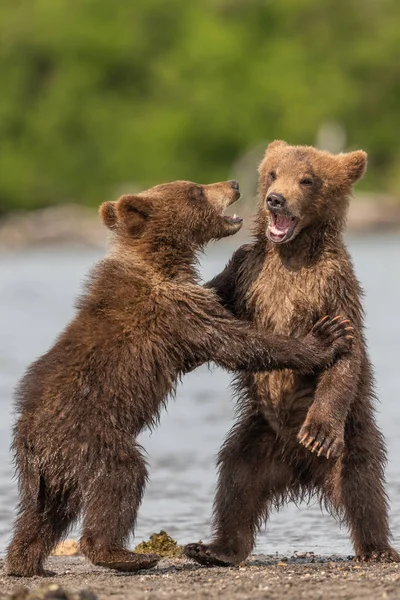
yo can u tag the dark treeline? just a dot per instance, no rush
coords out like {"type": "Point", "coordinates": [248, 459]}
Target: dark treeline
{"type": "Point", "coordinates": [97, 95]}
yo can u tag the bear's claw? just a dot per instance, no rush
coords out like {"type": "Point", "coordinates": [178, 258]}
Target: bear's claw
{"type": "Point", "coordinates": [387, 555]}
{"type": "Point", "coordinates": [203, 554]}
{"type": "Point", "coordinates": [334, 336]}
{"type": "Point", "coordinates": [334, 327]}
{"type": "Point", "coordinates": [322, 438]}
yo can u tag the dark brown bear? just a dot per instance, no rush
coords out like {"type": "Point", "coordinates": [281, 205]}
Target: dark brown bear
{"type": "Point", "coordinates": [141, 323]}
{"type": "Point", "coordinates": [300, 435]}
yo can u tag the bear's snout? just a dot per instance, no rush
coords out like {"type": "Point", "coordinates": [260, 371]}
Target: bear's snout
{"type": "Point", "coordinates": [276, 201]}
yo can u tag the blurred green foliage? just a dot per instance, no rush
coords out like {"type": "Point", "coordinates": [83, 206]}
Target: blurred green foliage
{"type": "Point", "coordinates": [96, 94]}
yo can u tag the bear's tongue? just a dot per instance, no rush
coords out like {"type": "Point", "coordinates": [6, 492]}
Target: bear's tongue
{"type": "Point", "coordinates": [281, 227]}
{"type": "Point", "coordinates": [280, 223]}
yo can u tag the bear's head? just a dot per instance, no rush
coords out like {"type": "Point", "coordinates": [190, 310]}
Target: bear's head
{"type": "Point", "coordinates": [180, 214]}
{"type": "Point", "coordinates": [302, 188]}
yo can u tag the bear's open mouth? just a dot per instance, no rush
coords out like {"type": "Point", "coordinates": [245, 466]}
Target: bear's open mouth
{"type": "Point", "coordinates": [234, 220]}
{"type": "Point", "coordinates": [281, 227]}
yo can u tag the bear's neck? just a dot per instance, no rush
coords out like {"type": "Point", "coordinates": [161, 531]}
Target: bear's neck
{"type": "Point", "coordinates": [165, 260]}
{"type": "Point", "coordinates": [174, 262]}
{"type": "Point", "coordinates": [309, 246]}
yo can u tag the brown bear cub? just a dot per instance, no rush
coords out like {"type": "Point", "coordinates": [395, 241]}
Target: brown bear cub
{"type": "Point", "coordinates": [298, 435]}
{"type": "Point", "coordinates": [142, 322]}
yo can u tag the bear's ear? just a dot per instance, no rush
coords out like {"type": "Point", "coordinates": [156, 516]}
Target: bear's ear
{"type": "Point", "coordinates": [108, 214]}
{"type": "Point", "coordinates": [355, 164]}
{"type": "Point", "coordinates": [133, 212]}
{"type": "Point", "coordinates": [275, 145]}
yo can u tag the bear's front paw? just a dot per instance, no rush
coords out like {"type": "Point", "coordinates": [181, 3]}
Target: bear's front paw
{"type": "Point", "coordinates": [322, 437]}
{"type": "Point", "coordinates": [333, 337]}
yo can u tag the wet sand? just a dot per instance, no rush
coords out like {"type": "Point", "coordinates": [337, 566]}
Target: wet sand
{"type": "Point", "coordinates": [307, 576]}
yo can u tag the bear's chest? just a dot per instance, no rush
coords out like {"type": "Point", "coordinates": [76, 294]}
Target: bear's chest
{"type": "Point", "coordinates": [286, 302]}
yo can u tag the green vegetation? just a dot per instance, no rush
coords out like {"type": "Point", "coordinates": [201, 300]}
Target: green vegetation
{"type": "Point", "coordinates": [97, 96]}
{"type": "Point", "coordinates": [161, 544]}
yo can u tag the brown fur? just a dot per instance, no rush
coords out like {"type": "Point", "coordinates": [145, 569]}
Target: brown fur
{"type": "Point", "coordinates": [142, 321]}
{"type": "Point", "coordinates": [299, 435]}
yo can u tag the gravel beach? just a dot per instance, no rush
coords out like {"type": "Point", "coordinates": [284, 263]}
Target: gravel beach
{"type": "Point", "coordinates": [302, 576]}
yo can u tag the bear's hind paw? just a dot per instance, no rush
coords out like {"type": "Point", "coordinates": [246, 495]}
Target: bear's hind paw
{"type": "Point", "coordinates": [204, 554]}
{"type": "Point", "coordinates": [387, 555]}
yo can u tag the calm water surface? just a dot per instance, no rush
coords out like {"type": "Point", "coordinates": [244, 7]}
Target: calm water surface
{"type": "Point", "coordinates": [37, 291]}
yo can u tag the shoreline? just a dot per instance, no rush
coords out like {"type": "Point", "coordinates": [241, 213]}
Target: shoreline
{"type": "Point", "coordinates": [271, 577]}
{"type": "Point", "coordinates": [79, 225]}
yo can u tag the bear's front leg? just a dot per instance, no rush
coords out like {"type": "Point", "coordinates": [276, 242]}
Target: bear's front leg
{"type": "Point", "coordinates": [321, 433]}
{"type": "Point", "coordinates": [323, 429]}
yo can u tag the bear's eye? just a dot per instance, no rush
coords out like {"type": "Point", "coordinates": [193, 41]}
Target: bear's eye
{"type": "Point", "coordinates": [272, 175]}
{"type": "Point", "coordinates": [306, 181]}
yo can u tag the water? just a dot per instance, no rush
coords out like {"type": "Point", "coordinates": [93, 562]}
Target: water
{"type": "Point", "coordinates": [37, 290]}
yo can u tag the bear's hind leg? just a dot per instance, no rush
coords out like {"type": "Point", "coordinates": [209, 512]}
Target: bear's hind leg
{"type": "Point", "coordinates": [111, 505]}
{"type": "Point", "coordinates": [250, 480]}
{"type": "Point", "coordinates": [43, 520]}
{"type": "Point", "coordinates": [357, 491]}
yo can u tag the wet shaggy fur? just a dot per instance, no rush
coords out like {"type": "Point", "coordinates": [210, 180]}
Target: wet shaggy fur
{"type": "Point", "coordinates": [299, 435]}
{"type": "Point", "coordinates": [142, 321]}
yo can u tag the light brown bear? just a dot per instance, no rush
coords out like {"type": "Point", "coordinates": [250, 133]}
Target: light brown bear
{"type": "Point", "coordinates": [299, 435]}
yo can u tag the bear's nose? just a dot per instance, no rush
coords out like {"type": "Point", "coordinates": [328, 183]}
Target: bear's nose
{"type": "Point", "coordinates": [234, 184]}
{"type": "Point", "coordinates": [275, 200]}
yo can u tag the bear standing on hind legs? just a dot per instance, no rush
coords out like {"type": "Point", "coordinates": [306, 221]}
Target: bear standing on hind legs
{"type": "Point", "coordinates": [141, 323]}
{"type": "Point", "coordinates": [296, 434]}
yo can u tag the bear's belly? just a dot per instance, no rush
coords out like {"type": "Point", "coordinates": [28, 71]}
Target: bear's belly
{"type": "Point", "coordinates": [285, 302]}
{"type": "Point", "coordinates": [284, 398]}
